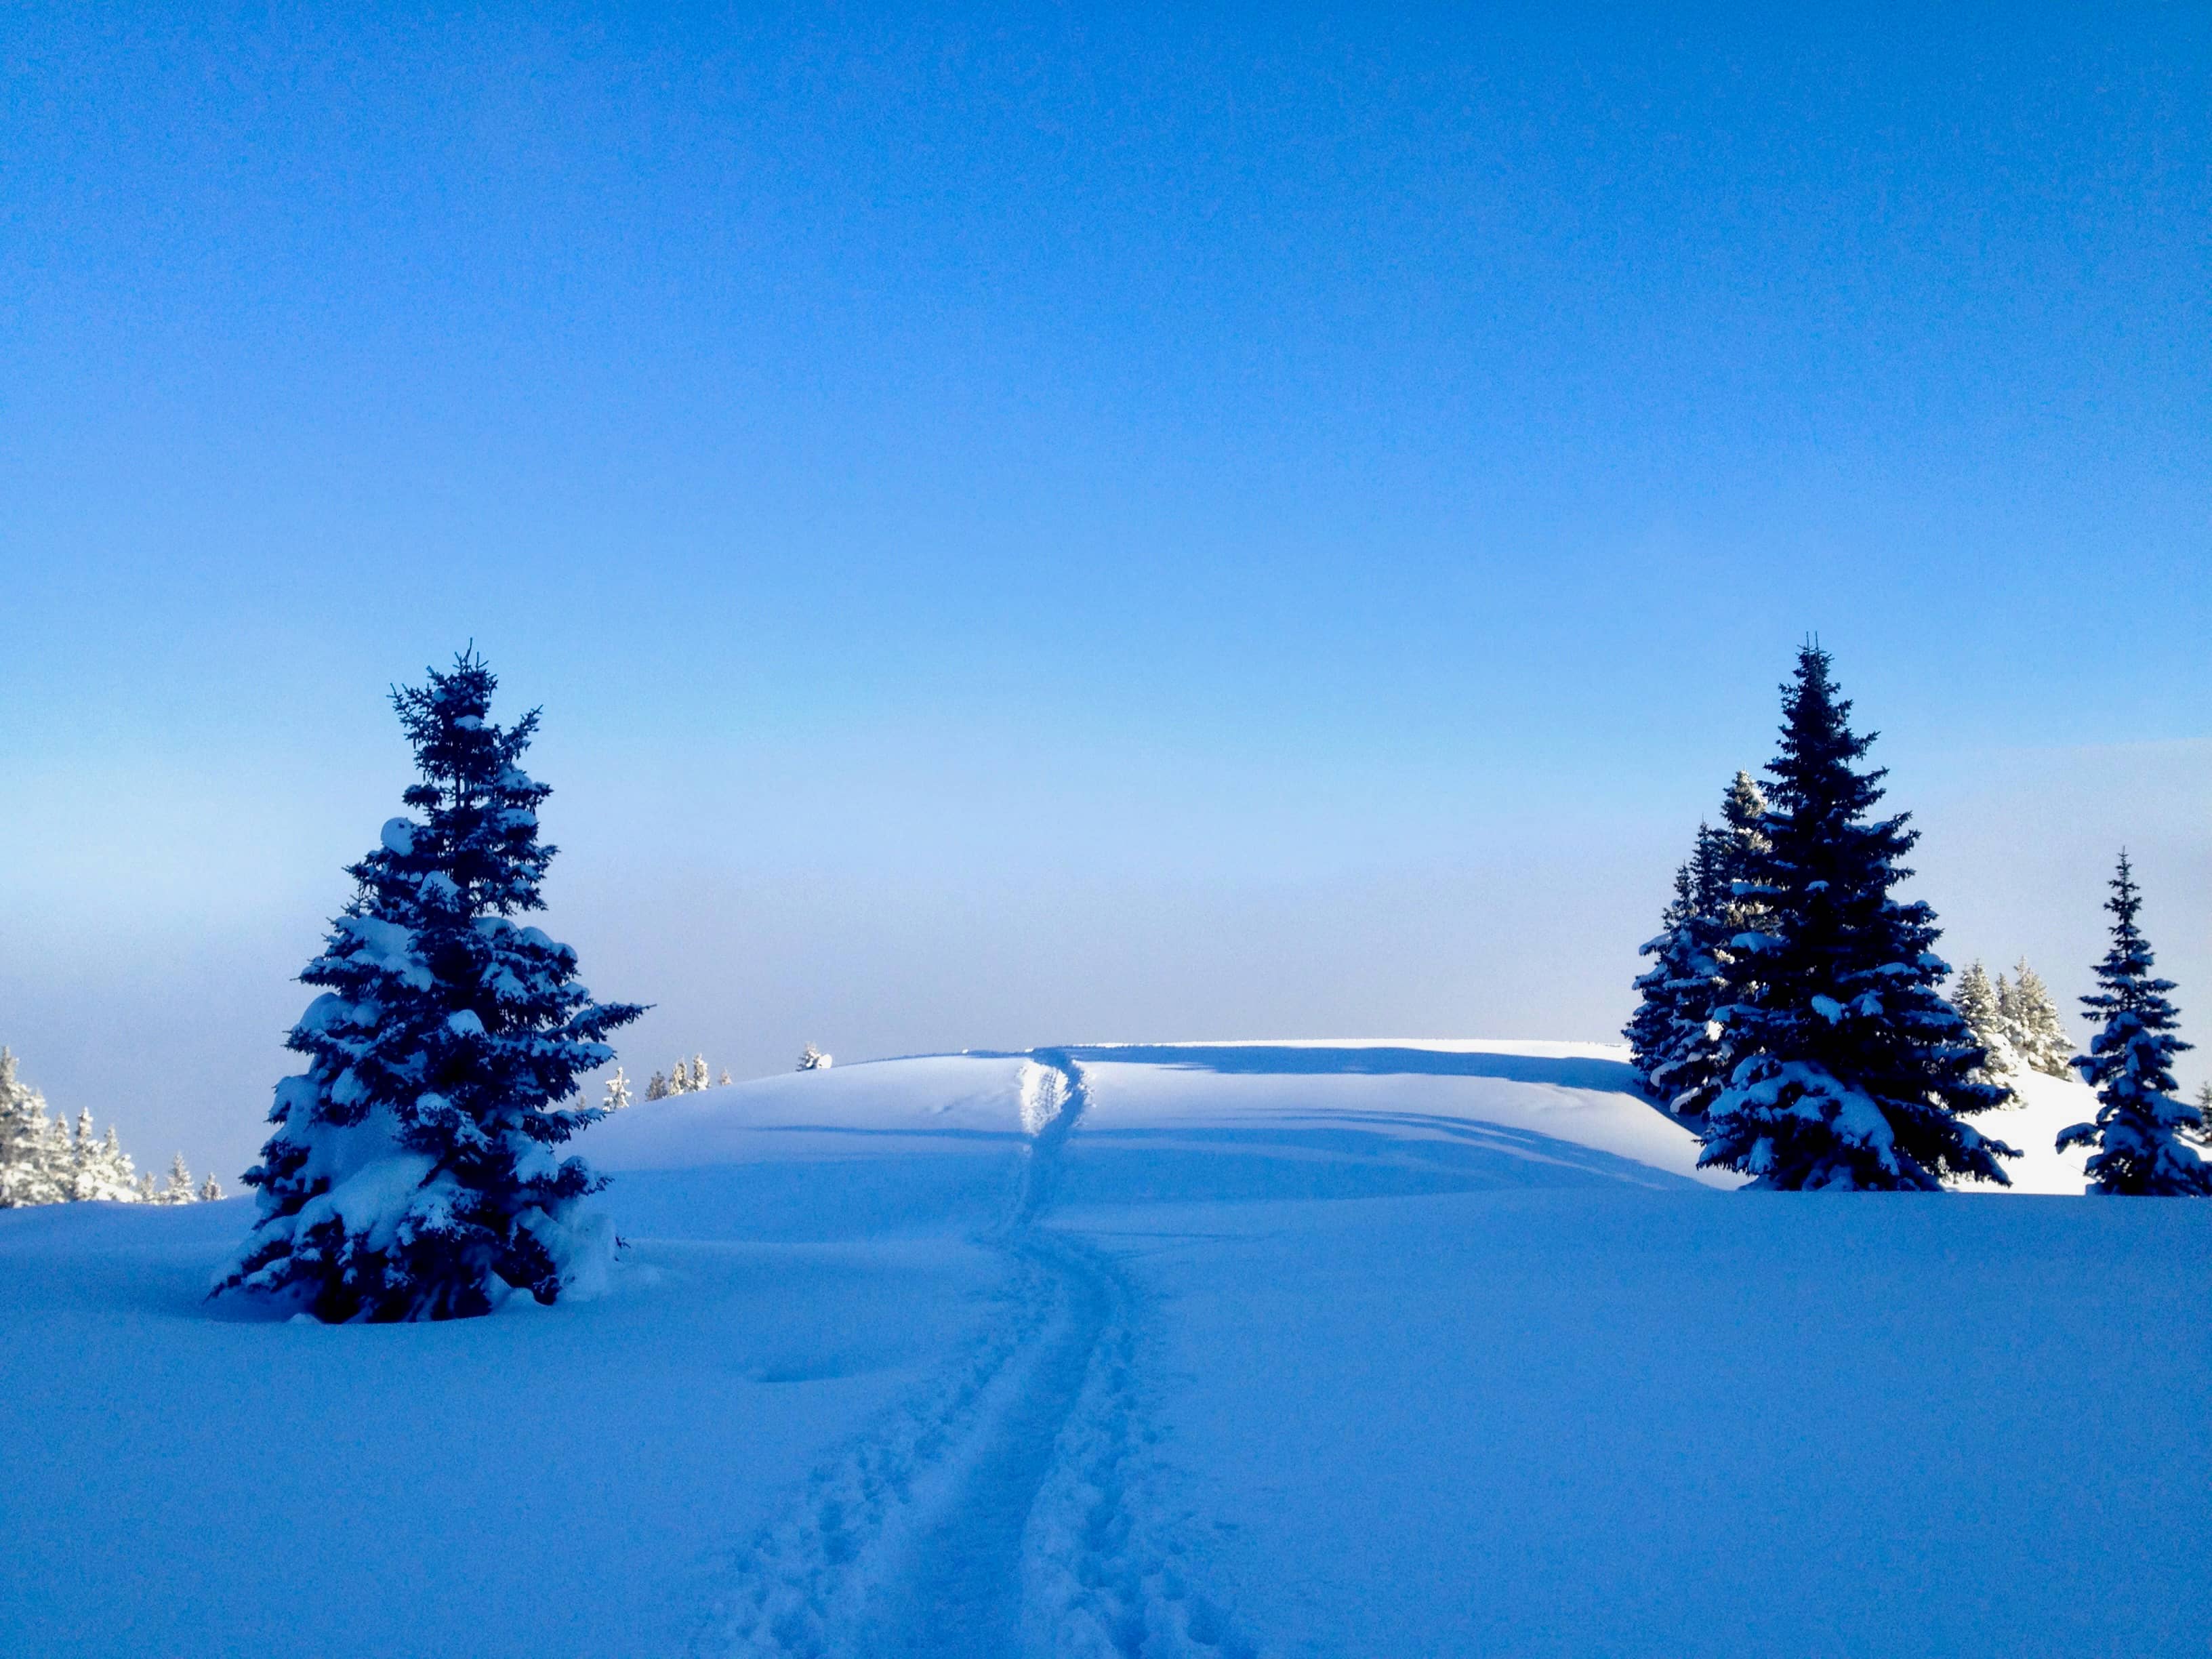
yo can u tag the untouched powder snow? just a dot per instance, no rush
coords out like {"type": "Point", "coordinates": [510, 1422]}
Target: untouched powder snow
{"type": "Point", "coordinates": [1243, 1349]}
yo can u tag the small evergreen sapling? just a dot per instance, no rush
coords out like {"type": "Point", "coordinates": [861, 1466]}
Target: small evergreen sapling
{"type": "Point", "coordinates": [812, 1059]}
{"type": "Point", "coordinates": [1849, 1071]}
{"type": "Point", "coordinates": [2136, 1135]}
{"type": "Point", "coordinates": [416, 1170]}
{"type": "Point", "coordinates": [617, 1095]}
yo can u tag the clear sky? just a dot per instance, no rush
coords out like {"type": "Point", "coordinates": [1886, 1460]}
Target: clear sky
{"type": "Point", "coordinates": [1049, 525]}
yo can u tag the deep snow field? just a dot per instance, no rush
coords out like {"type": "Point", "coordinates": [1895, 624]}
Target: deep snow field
{"type": "Point", "coordinates": [1270, 1349]}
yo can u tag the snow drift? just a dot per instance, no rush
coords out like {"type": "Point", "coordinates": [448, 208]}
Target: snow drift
{"type": "Point", "coordinates": [1247, 1349]}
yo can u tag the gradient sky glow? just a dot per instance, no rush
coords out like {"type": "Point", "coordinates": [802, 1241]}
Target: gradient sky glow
{"type": "Point", "coordinates": [1043, 524]}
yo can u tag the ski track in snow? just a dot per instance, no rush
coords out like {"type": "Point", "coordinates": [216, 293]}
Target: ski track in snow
{"type": "Point", "coordinates": [1005, 1508]}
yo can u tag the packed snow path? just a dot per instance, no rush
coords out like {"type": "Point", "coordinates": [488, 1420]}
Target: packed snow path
{"type": "Point", "coordinates": [991, 1512]}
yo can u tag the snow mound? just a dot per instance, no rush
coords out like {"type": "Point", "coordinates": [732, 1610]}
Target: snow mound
{"type": "Point", "coordinates": [1348, 1117]}
{"type": "Point", "coordinates": [888, 1109]}
{"type": "Point", "coordinates": [2044, 1105]}
{"type": "Point", "coordinates": [1288, 1118]}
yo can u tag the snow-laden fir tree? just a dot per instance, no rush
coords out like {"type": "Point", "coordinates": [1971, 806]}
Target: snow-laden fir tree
{"type": "Point", "coordinates": [2137, 1143]}
{"type": "Point", "coordinates": [99, 1169]}
{"type": "Point", "coordinates": [698, 1074]}
{"type": "Point", "coordinates": [812, 1059]}
{"type": "Point", "coordinates": [2204, 1115]}
{"type": "Point", "coordinates": [725, 1078]}
{"type": "Point", "coordinates": [180, 1188]}
{"type": "Point", "coordinates": [1651, 1031]}
{"type": "Point", "coordinates": [618, 1096]}
{"type": "Point", "coordinates": [1675, 1044]}
{"type": "Point", "coordinates": [2032, 1025]}
{"type": "Point", "coordinates": [28, 1170]}
{"type": "Point", "coordinates": [1743, 810]}
{"type": "Point", "coordinates": [416, 1169]}
{"type": "Point", "coordinates": [1978, 1004]}
{"type": "Point", "coordinates": [656, 1087]}
{"type": "Point", "coordinates": [1848, 1070]}
{"type": "Point", "coordinates": [1671, 1037]}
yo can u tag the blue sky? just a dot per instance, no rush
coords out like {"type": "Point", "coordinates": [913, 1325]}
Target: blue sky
{"type": "Point", "coordinates": [1045, 523]}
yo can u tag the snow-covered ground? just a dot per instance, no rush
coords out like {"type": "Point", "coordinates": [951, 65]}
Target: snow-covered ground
{"type": "Point", "coordinates": [1241, 1349]}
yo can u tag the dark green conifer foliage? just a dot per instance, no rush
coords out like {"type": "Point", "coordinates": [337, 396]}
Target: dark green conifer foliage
{"type": "Point", "coordinates": [416, 1170]}
{"type": "Point", "coordinates": [1848, 1069]}
{"type": "Point", "coordinates": [1671, 1037]}
{"type": "Point", "coordinates": [2140, 1117]}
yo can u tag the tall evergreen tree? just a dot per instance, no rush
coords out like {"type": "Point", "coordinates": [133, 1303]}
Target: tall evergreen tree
{"type": "Point", "coordinates": [2137, 1131]}
{"type": "Point", "coordinates": [1848, 1070]}
{"type": "Point", "coordinates": [415, 1169]}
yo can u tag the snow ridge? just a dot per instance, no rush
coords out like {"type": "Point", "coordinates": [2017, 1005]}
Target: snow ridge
{"type": "Point", "coordinates": [1004, 1508]}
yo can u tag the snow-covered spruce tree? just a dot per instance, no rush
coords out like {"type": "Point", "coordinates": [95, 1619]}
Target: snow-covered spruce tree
{"type": "Point", "coordinates": [415, 1171]}
{"type": "Point", "coordinates": [1743, 809]}
{"type": "Point", "coordinates": [698, 1074]}
{"type": "Point", "coordinates": [812, 1059]}
{"type": "Point", "coordinates": [1650, 1029]}
{"type": "Point", "coordinates": [2031, 1025]}
{"type": "Point", "coordinates": [618, 1096]}
{"type": "Point", "coordinates": [1849, 1071]}
{"type": "Point", "coordinates": [725, 1082]}
{"type": "Point", "coordinates": [99, 1169]}
{"type": "Point", "coordinates": [210, 1191]}
{"type": "Point", "coordinates": [28, 1170]}
{"type": "Point", "coordinates": [178, 1189]}
{"type": "Point", "coordinates": [1672, 1038]}
{"type": "Point", "coordinates": [656, 1087]}
{"type": "Point", "coordinates": [2136, 1137]}
{"type": "Point", "coordinates": [1978, 1004]}
{"type": "Point", "coordinates": [2204, 1115]}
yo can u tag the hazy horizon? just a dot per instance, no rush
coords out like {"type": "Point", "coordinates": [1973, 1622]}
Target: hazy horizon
{"type": "Point", "coordinates": [1047, 527]}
